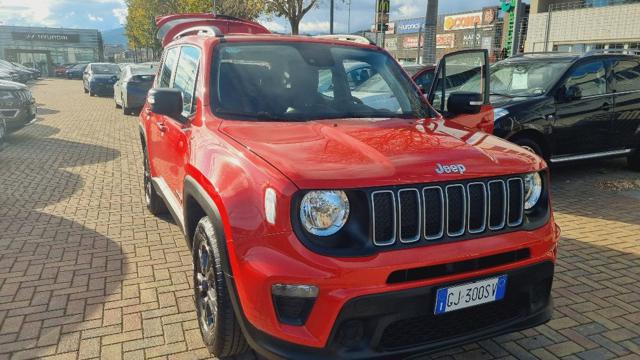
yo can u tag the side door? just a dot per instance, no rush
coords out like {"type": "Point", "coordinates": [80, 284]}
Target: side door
{"type": "Point", "coordinates": [461, 80]}
{"type": "Point", "coordinates": [178, 130]}
{"type": "Point", "coordinates": [157, 140]}
{"type": "Point", "coordinates": [625, 124]}
{"type": "Point", "coordinates": [584, 106]}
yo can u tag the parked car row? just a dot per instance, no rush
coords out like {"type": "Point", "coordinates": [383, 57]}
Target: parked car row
{"type": "Point", "coordinates": [12, 71]}
{"type": "Point", "coordinates": [17, 107]}
{"type": "Point", "coordinates": [128, 83]}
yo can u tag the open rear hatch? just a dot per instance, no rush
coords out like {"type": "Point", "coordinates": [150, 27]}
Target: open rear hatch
{"type": "Point", "coordinates": [170, 26]}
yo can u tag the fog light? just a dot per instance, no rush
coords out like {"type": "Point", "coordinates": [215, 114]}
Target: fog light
{"type": "Point", "coordinates": [293, 303]}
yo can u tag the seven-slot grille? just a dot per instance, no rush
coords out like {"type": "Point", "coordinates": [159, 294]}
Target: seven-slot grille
{"type": "Point", "coordinates": [438, 212]}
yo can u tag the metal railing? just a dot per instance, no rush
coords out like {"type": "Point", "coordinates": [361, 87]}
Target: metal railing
{"type": "Point", "coordinates": [587, 4]}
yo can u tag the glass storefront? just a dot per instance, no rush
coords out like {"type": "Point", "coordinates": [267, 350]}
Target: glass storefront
{"type": "Point", "coordinates": [45, 48]}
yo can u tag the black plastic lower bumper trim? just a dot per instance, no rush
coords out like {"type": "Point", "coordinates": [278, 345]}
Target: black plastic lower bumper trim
{"type": "Point", "coordinates": [364, 322]}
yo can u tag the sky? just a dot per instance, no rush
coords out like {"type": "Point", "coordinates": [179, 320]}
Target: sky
{"type": "Point", "coordinates": [111, 14]}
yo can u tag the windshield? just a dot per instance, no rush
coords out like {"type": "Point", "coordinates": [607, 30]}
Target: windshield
{"type": "Point", "coordinates": [310, 81]}
{"type": "Point", "coordinates": [526, 79]}
{"type": "Point", "coordinates": [105, 69]}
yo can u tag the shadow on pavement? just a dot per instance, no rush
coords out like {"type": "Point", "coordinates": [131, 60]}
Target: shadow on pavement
{"type": "Point", "coordinates": [55, 273]}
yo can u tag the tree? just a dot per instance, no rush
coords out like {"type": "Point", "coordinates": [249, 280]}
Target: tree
{"type": "Point", "coordinates": [292, 10]}
{"type": "Point", "coordinates": [141, 27]}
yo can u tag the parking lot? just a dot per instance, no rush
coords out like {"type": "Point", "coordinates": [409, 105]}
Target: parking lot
{"type": "Point", "coordinates": [87, 272]}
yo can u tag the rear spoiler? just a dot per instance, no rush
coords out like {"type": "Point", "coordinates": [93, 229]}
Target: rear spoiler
{"type": "Point", "coordinates": [171, 27]}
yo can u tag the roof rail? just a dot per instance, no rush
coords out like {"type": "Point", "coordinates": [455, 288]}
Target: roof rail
{"type": "Point", "coordinates": [353, 38]}
{"type": "Point", "coordinates": [613, 51]}
{"type": "Point", "coordinates": [200, 30]}
{"type": "Point", "coordinates": [545, 53]}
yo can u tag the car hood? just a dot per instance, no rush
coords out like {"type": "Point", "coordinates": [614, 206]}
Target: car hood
{"type": "Point", "coordinates": [506, 101]}
{"type": "Point", "coordinates": [11, 85]}
{"type": "Point", "coordinates": [352, 153]}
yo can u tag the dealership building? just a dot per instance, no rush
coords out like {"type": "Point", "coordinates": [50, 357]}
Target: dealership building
{"type": "Point", "coordinates": [583, 26]}
{"type": "Point", "coordinates": [45, 48]}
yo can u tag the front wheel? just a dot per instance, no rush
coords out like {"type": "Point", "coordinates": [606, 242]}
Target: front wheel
{"type": "Point", "coordinates": [3, 132]}
{"type": "Point", "coordinates": [218, 325]}
{"type": "Point", "coordinates": [529, 145]}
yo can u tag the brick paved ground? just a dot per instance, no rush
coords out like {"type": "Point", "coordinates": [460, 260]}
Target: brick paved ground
{"type": "Point", "coordinates": [87, 272]}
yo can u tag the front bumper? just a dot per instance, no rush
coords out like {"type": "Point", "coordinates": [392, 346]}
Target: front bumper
{"type": "Point", "coordinates": [401, 324]}
{"type": "Point", "coordinates": [282, 259]}
{"type": "Point", "coordinates": [20, 117]}
{"type": "Point", "coordinates": [101, 88]}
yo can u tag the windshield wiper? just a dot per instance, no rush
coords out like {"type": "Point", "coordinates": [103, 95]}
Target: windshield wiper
{"type": "Point", "coordinates": [260, 115]}
{"type": "Point", "coordinates": [499, 94]}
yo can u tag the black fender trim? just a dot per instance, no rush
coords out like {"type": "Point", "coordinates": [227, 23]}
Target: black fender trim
{"type": "Point", "coordinates": [192, 189]}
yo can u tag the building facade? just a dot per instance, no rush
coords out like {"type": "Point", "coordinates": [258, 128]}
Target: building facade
{"type": "Point", "coordinates": [476, 29]}
{"type": "Point", "coordinates": [45, 48]}
{"type": "Point", "coordinates": [583, 26]}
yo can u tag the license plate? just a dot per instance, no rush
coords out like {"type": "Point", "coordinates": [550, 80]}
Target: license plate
{"type": "Point", "coordinates": [470, 294]}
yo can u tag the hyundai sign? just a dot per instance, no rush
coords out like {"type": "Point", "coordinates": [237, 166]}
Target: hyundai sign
{"type": "Point", "coordinates": [411, 26]}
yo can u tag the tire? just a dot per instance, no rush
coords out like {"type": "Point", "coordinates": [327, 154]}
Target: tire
{"type": "Point", "coordinates": [154, 202]}
{"type": "Point", "coordinates": [3, 133]}
{"type": "Point", "coordinates": [218, 325]}
{"type": "Point", "coordinates": [633, 160]}
{"type": "Point", "coordinates": [530, 145]}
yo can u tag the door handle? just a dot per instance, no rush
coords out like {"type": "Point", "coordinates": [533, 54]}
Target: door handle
{"type": "Point", "coordinates": [161, 126]}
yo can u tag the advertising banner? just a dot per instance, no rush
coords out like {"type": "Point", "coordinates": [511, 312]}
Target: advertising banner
{"type": "Point", "coordinates": [469, 41]}
{"type": "Point", "coordinates": [411, 26]}
{"type": "Point", "coordinates": [445, 41]}
{"type": "Point", "coordinates": [462, 21]}
{"type": "Point", "coordinates": [391, 43]}
{"type": "Point", "coordinates": [411, 42]}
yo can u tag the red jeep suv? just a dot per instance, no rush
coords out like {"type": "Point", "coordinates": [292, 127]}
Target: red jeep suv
{"type": "Point", "coordinates": [331, 218]}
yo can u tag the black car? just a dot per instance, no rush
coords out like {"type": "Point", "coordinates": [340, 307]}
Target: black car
{"type": "Point", "coordinates": [17, 105]}
{"type": "Point", "coordinates": [76, 71]}
{"type": "Point", "coordinates": [98, 78]}
{"type": "Point", "coordinates": [568, 107]}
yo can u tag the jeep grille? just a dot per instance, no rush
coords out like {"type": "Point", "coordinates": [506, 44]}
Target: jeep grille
{"type": "Point", "coordinates": [449, 211]}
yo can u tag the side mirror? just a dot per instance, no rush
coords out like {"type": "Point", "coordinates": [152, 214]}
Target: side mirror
{"type": "Point", "coordinates": [572, 93]}
{"type": "Point", "coordinates": [165, 101]}
{"type": "Point", "coordinates": [463, 102]}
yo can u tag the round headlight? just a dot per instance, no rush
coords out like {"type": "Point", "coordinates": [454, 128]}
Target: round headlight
{"type": "Point", "coordinates": [532, 190]}
{"type": "Point", "coordinates": [324, 213]}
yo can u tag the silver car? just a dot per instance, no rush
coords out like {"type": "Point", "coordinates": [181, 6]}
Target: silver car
{"type": "Point", "coordinates": [130, 91]}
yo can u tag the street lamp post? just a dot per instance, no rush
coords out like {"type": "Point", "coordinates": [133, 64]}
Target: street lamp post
{"type": "Point", "coordinates": [349, 19]}
{"type": "Point", "coordinates": [331, 18]}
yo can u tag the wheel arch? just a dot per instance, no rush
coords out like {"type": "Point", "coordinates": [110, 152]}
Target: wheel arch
{"type": "Point", "coordinates": [535, 135]}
